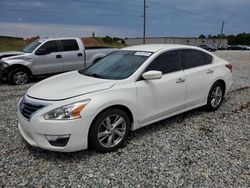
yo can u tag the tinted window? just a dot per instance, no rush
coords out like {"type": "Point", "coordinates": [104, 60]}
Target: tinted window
{"type": "Point", "coordinates": [166, 62]}
{"type": "Point", "coordinates": [70, 45]}
{"type": "Point", "coordinates": [50, 46]}
{"type": "Point", "coordinates": [208, 58]}
{"type": "Point", "coordinates": [192, 58]}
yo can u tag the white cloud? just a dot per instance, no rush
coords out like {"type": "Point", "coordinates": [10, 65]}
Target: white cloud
{"type": "Point", "coordinates": [24, 3]}
{"type": "Point", "coordinates": [56, 30]}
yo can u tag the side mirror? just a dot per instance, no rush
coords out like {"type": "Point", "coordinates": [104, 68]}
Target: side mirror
{"type": "Point", "coordinates": [42, 51]}
{"type": "Point", "coordinates": [152, 75]}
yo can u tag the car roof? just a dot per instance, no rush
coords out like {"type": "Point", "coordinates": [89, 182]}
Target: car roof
{"type": "Point", "coordinates": [157, 47]}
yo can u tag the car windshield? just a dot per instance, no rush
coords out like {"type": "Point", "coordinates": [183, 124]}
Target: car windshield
{"type": "Point", "coordinates": [31, 47]}
{"type": "Point", "coordinates": [117, 65]}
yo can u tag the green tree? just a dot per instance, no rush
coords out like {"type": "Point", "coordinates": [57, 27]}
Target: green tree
{"type": "Point", "coordinates": [202, 36]}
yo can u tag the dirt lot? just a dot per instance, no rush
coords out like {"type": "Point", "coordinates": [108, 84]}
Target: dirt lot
{"type": "Point", "coordinates": [197, 148]}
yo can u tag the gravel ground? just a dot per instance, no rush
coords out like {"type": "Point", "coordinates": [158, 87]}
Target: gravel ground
{"type": "Point", "coordinates": [197, 148]}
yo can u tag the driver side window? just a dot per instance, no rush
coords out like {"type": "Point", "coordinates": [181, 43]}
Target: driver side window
{"type": "Point", "coordinates": [48, 47]}
{"type": "Point", "coordinates": [166, 62]}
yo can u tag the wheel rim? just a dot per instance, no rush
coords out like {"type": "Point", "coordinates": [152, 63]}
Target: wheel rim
{"type": "Point", "coordinates": [20, 78]}
{"type": "Point", "coordinates": [216, 96]}
{"type": "Point", "coordinates": [111, 131]}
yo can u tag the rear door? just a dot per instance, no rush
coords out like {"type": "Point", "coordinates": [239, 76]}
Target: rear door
{"type": "Point", "coordinates": [199, 74]}
{"type": "Point", "coordinates": [72, 55]}
{"type": "Point", "coordinates": [160, 97]}
{"type": "Point", "coordinates": [50, 62]}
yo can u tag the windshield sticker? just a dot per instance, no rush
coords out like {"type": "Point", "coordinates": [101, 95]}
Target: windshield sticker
{"type": "Point", "coordinates": [147, 54]}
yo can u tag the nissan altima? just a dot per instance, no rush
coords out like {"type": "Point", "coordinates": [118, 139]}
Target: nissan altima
{"type": "Point", "coordinates": [130, 88]}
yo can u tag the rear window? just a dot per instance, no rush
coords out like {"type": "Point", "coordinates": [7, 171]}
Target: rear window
{"type": "Point", "coordinates": [208, 59]}
{"type": "Point", "coordinates": [70, 45]}
{"type": "Point", "coordinates": [192, 58]}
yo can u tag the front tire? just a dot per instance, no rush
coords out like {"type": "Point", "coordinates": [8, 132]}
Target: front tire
{"type": "Point", "coordinates": [215, 96]}
{"type": "Point", "coordinates": [109, 130]}
{"type": "Point", "coordinates": [18, 76]}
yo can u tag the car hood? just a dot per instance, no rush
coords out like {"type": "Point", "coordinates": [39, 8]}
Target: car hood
{"type": "Point", "coordinates": [68, 85]}
{"type": "Point", "coordinates": [23, 56]}
{"type": "Point", "coordinates": [10, 53]}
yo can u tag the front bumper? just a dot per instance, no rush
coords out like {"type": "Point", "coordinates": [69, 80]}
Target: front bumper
{"type": "Point", "coordinates": [37, 130]}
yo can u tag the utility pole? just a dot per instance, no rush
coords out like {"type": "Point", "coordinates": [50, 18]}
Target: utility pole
{"type": "Point", "coordinates": [144, 23]}
{"type": "Point", "coordinates": [221, 32]}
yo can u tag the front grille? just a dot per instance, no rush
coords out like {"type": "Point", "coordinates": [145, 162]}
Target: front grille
{"type": "Point", "coordinates": [28, 108]}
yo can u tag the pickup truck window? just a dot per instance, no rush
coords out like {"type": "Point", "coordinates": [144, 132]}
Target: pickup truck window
{"type": "Point", "coordinates": [31, 47]}
{"type": "Point", "coordinates": [50, 46]}
{"type": "Point", "coordinates": [117, 65]}
{"type": "Point", "coordinates": [70, 45]}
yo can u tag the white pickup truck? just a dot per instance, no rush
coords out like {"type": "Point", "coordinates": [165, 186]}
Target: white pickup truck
{"type": "Point", "coordinates": [48, 56]}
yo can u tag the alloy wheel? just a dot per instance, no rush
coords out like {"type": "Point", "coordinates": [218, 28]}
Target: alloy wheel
{"type": "Point", "coordinates": [216, 96]}
{"type": "Point", "coordinates": [20, 78]}
{"type": "Point", "coordinates": [111, 131]}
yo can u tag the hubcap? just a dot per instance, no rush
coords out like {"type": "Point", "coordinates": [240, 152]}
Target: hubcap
{"type": "Point", "coordinates": [20, 78]}
{"type": "Point", "coordinates": [216, 96]}
{"type": "Point", "coordinates": [111, 131]}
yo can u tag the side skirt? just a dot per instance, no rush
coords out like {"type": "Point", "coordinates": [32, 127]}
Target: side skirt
{"type": "Point", "coordinates": [137, 125]}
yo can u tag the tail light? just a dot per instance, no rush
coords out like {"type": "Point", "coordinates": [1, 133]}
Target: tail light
{"type": "Point", "coordinates": [229, 66]}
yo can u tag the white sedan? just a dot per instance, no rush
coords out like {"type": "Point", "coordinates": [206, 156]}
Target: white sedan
{"type": "Point", "coordinates": [124, 91]}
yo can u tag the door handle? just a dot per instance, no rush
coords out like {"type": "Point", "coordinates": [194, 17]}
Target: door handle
{"type": "Point", "coordinates": [58, 56]}
{"type": "Point", "coordinates": [180, 80]}
{"type": "Point", "coordinates": [79, 54]}
{"type": "Point", "coordinates": [209, 71]}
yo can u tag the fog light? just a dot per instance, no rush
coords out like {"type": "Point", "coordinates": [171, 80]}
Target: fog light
{"type": "Point", "coordinates": [58, 140]}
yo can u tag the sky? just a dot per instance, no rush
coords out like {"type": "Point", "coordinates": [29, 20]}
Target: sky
{"type": "Point", "coordinates": [122, 18]}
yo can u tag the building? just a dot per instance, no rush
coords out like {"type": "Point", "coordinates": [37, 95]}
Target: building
{"type": "Point", "coordinates": [177, 40]}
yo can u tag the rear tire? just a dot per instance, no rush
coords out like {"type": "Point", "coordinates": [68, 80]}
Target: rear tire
{"type": "Point", "coordinates": [215, 96]}
{"type": "Point", "coordinates": [109, 130]}
{"type": "Point", "coordinates": [18, 76]}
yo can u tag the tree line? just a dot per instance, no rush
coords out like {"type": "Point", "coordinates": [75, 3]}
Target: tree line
{"type": "Point", "coordinates": [239, 39]}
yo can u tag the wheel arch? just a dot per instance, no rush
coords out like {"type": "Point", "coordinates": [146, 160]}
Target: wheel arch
{"type": "Point", "coordinates": [16, 66]}
{"type": "Point", "coordinates": [120, 106]}
{"type": "Point", "coordinates": [223, 84]}
{"type": "Point", "coordinates": [96, 57]}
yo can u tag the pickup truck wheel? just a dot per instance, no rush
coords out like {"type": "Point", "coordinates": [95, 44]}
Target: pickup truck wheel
{"type": "Point", "coordinates": [18, 76]}
{"type": "Point", "coordinates": [109, 130]}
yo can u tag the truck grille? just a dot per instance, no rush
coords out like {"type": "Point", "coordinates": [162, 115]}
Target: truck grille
{"type": "Point", "coordinates": [28, 108]}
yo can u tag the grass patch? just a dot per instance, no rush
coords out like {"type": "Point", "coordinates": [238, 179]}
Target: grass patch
{"type": "Point", "coordinates": [16, 44]}
{"type": "Point", "coordinates": [11, 44]}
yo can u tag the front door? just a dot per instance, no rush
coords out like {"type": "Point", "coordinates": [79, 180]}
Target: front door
{"type": "Point", "coordinates": [49, 61]}
{"type": "Point", "coordinates": [160, 97]}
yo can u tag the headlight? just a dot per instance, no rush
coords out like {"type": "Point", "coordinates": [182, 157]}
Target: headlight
{"type": "Point", "coordinates": [71, 111]}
